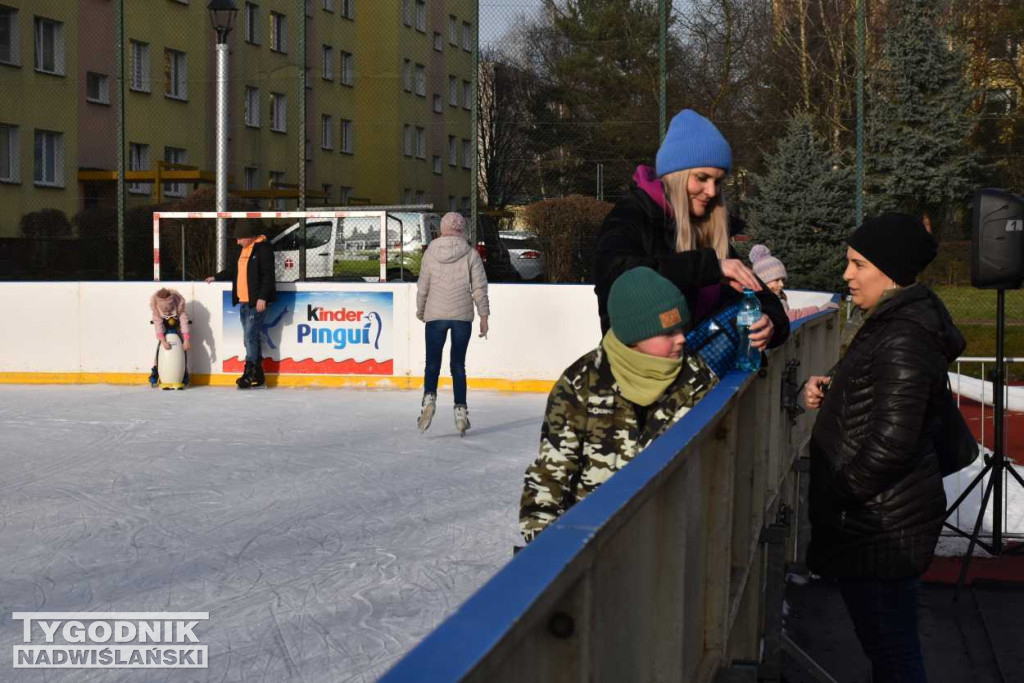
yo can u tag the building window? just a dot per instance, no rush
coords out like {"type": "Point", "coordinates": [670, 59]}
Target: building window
{"type": "Point", "coordinates": [421, 197]}
{"type": "Point", "coordinates": [174, 155]}
{"type": "Point", "coordinates": [9, 166]}
{"type": "Point", "coordinates": [465, 204]}
{"type": "Point", "coordinates": [437, 165]}
{"type": "Point", "coordinates": [9, 43]}
{"type": "Point", "coordinates": [97, 88]}
{"type": "Point", "coordinates": [348, 9]}
{"type": "Point", "coordinates": [438, 104]}
{"type": "Point", "coordinates": [407, 140]}
{"type": "Point", "coordinates": [252, 29]}
{"type": "Point", "coordinates": [467, 154]}
{"type": "Point", "coordinates": [438, 42]}
{"type": "Point", "coordinates": [326, 131]}
{"type": "Point", "coordinates": [140, 66]}
{"type": "Point", "coordinates": [421, 143]}
{"type": "Point", "coordinates": [407, 75]}
{"type": "Point", "coordinates": [407, 196]}
{"type": "Point", "coordinates": [421, 16]}
{"type": "Point", "coordinates": [344, 195]}
{"type": "Point", "coordinates": [278, 32]}
{"type": "Point", "coordinates": [1000, 102]}
{"type": "Point", "coordinates": [328, 5]}
{"type": "Point", "coordinates": [407, 12]}
{"type": "Point", "coordinates": [467, 37]}
{"type": "Point", "coordinates": [348, 68]}
{"type": "Point", "coordinates": [252, 107]}
{"type": "Point", "coordinates": [452, 203]}
{"type": "Point", "coordinates": [328, 66]}
{"type": "Point", "coordinates": [467, 95]}
{"type": "Point", "coordinates": [1003, 47]}
{"type": "Point", "coordinates": [252, 178]}
{"type": "Point", "coordinates": [348, 145]}
{"type": "Point", "coordinates": [421, 80]}
{"type": "Point", "coordinates": [278, 112]}
{"type": "Point", "coordinates": [453, 91]}
{"type": "Point", "coordinates": [49, 158]}
{"type": "Point", "coordinates": [276, 181]}
{"type": "Point", "coordinates": [327, 194]}
{"type": "Point", "coordinates": [453, 151]}
{"type": "Point", "coordinates": [138, 160]}
{"type": "Point", "coordinates": [453, 30]}
{"type": "Point", "coordinates": [176, 74]}
{"type": "Point", "coordinates": [49, 46]}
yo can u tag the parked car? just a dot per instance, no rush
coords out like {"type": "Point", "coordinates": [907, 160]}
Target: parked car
{"type": "Point", "coordinates": [348, 248]}
{"type": "Point", "coordinates": [524, 254]}
{"type": "Point", "coordinates": [493, 252]}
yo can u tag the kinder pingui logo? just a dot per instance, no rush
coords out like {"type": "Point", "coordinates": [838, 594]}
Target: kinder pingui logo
{"type": "Point", "coordinates": [340, 328]}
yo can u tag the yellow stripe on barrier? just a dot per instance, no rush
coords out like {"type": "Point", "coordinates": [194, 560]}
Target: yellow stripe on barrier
{"type": "Point", "coordinates": [327, 381]}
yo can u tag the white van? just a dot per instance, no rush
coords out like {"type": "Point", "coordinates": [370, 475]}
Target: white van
{"type": "Point", "coordinates": [349, 247]}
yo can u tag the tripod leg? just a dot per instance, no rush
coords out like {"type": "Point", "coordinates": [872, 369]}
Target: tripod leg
{"type": "Point", "coordinates": [1014, 473]}
{"type": "Point", "coordinates": [974, 540]}
{"type": "Point", "coordinates": [966, 492]}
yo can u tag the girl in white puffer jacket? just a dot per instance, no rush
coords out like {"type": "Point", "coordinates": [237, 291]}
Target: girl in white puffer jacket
{"type": "Point", "coordinates": [451, 281]}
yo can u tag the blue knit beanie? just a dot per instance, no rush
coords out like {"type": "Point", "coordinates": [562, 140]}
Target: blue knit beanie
{"type": "Point", "coordinates": [692, 142]}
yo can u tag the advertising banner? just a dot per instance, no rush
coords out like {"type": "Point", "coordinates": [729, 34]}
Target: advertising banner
{"type": "Point", "coordinates": [319, 333]}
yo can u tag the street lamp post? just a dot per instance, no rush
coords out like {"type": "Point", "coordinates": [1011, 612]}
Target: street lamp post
{"type": "Point", "coordinates": [222, 16]}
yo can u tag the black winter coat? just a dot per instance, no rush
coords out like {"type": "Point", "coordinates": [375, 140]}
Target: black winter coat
{"type": "Point", "coordinates": [260, 274]}
{"type": "Point", "coordinates": [876, 496]}
{"type": "Point", "coordinates": [638, 233]}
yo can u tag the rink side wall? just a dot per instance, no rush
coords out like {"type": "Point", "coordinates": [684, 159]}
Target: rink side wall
{"type": "Point", "coordinates": [99, 332]}
{"type": "Point", "coordinates": [674, 570]}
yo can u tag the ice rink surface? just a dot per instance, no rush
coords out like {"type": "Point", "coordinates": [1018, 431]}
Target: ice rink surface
{"type": "Point", "coordinates": [321, 532]}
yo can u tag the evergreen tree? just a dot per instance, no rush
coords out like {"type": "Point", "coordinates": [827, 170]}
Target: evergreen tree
{"type": "Point", "coordinates": [919, 119]}
{"type": "Point", "coordinates": [803, 208]}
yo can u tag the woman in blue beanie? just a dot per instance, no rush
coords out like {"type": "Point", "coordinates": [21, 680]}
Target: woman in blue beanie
{"type": "Point", "coordinates": [674, 221]}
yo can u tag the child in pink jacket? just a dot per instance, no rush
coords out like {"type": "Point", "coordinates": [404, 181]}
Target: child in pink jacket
{"type": "Point", "coordinates": [169, 313]}
{"type": "Point", "coordinates": [773, 273]}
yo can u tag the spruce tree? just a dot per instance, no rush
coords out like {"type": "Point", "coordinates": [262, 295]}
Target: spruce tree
{"type": "Point", "coordinates": [919, 119]}
{"type": "Point", "coordinates": [803, 207]}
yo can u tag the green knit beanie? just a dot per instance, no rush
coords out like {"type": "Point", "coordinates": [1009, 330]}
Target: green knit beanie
{"type": "Point", "coordinates": [643, 304]}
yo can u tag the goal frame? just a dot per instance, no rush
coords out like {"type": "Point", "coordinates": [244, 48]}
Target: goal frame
{"type": "Point", "coordinates": [163, 215]}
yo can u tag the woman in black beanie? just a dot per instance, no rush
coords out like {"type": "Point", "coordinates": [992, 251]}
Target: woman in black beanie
{"type": "Point", "coordinates": [876, 501]}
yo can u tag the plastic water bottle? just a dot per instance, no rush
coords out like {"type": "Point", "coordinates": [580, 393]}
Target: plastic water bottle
{"type": "Point", "coordinates": [748, 358]}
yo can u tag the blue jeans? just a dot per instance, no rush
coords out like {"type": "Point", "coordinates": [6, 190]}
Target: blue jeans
{"type": "Point", "coordinates": [884, 614]}
{"type": "Point", "coordinates": [436, 335]}
{"type": "Point", "coordinates": [252, 324]}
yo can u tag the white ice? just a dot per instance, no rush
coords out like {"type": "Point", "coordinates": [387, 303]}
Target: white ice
{"type": "Point", "coordinates": [321, 532]}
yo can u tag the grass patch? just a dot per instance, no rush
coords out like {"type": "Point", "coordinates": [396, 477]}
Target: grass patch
{"type": "Point", "coordinates": [969, 305]}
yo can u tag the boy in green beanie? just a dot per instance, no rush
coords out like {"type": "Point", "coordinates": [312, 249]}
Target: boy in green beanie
{"type": "Point", "coordinates": [611, 403]}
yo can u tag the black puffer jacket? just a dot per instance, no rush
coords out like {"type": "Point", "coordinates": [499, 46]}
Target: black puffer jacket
{"type": "Point", "coordinates": [876, 498]}
{"type": "Point", "coordinates": [638, 233]}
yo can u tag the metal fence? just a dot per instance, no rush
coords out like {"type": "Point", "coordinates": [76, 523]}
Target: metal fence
{"type": "Point", "coordinates": [971, 383]}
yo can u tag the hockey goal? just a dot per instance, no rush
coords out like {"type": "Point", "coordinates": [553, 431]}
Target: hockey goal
{"type": "Point", "coordinates": [353, 245]}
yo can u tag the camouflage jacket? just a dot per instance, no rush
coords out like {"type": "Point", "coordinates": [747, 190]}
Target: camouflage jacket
{"type": "Point", "coordinates": [591, 431]}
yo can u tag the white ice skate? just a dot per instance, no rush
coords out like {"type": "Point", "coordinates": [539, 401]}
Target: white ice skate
{"type": "Point", "coordinates": [427, 412]}
{"type": "Point", "coordinates": [461, 419]}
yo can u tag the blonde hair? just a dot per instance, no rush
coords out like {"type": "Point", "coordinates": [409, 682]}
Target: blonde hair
{"type": "Point", "coordinates": [709, 232]}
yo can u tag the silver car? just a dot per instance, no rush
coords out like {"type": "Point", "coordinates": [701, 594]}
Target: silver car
{"type": "Point", "coordinates": [524, 254]}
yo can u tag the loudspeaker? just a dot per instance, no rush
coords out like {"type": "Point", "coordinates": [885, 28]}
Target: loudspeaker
{"type": "Point", "coordinates": [997, 240]}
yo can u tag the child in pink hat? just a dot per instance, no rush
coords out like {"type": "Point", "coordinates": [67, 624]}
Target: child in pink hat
{"type": "Point", "coordinates": [773, 274]}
